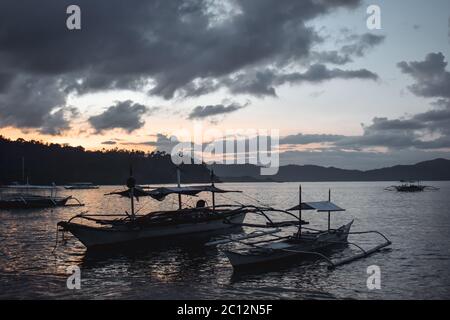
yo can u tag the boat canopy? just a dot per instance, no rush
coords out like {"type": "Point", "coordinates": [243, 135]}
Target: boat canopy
{"type": "Point", "coordinates": [320, 206]}
{"type": "Point", "coordinates": [161, 192]}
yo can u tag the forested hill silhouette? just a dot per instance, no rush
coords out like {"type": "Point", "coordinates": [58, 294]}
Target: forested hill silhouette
{"type": "Point", "coordinates": [62, 164]}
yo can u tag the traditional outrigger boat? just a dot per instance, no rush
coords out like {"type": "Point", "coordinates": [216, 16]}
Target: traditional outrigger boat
{"type": "Point", "coordinates": [188, 221]}
{"type": "Point", "coordinates": [410, 186]}
{"type": "Point", "coordinates": [305, 243]}
{"type": "Point", "coordinates": [31, 196]}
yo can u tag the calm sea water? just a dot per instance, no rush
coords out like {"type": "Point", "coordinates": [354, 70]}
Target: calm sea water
{"type": "Point", "coordinates": [417, 266]}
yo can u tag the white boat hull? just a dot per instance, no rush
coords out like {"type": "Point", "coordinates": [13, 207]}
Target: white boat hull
{"type": "Point", "coordinates": [93, 237]}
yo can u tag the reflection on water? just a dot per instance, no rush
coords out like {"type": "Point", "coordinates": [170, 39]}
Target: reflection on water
{"type": "Point", "coordinates": [418, 224]}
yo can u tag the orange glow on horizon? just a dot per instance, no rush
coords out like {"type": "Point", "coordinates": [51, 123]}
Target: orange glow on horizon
{"type": "Point", "coordinates": [91, 143]}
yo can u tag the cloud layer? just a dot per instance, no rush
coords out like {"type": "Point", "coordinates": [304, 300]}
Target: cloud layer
{"type": "Point", "coordinates": [174, 48]}
{"type": "Point", "coordinates": [429, 130]}
{"type": "Point", "coordinates": [201, 112]}
{"type": "Point", "coordinates": [29, 102]}
{"type": "Point", "coordinates": [432, 78]}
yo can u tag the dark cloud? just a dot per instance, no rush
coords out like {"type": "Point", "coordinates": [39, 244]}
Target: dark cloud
{"type": "Point", "coordinates": [179, 46]}
{"type": "Point", "coordinates": [59, 121]}
{"type": "Point", "coordinates": [161, 140]}
{"type": "Point", "coordinates": [396, 124]}
{"type": "Point", "coordinates": [334, 57]}
{"type": "Point", "coordinates": [310, 138]}
{"type": "Point", "coordinates": [125, 115]}
{"type": "Point", "coordinates": [262, 83]}
{"type": "Point", "coordinates": [361, 44]}
{"type": "Point", "coordinates": [257, 83]}
{"type": "Point", "coordinates": [168, 48]}
{"type": "Point", "coordinates": [318, 73]}
{"type": "Point", "coordinates": [201, 112]}
{"type": "Point", "coordinates": [429, 130]}
{"type": "Point", "coordinates": [432, 78]}
{"type": "Point", "coordinates": [426, 130]}
{"type": "Point", "coordinates": [356, 46]}
{"type": "Point", "coordinates": [370, 139]}
{"type": "Point", "coordinates": [409, 140]}
{"type": "Point", "coordinates": [5, 80]}
{"type": "Point", "coordinates": [36, 103]}
{"type": "Point", "coordinates": [163, 143]}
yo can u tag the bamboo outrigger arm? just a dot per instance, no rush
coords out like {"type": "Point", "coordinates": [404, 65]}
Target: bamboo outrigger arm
{"type": "Point", "coordinates": [365, 253]}
{"type": "Point", "coordinates": [330, 262]}
{"type": "Point", "coordinates": [254, 234]}
{"type": "Point", "coordinates": [270, 223]}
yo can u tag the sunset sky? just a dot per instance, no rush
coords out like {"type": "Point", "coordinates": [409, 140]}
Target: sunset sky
{"type": "Point", "coordinates": [139, 71]}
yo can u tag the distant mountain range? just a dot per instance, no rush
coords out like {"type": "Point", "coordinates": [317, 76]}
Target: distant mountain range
{"type": "Point", "coordinates": [433, 170]}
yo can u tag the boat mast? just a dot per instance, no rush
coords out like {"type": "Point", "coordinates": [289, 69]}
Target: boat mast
{"type": "Point", "coordinates": [213, 193]}
{"type": "Point", "coordinates": [131, 184]}
{"type": "Point", "coordinates": [329, 200]}
{"type": "Point", "coordinates": [132, 202]}
{"type": "Point", "coordinates": [179, 186]}
{"type": "Point", "coordinates": [299, 211]}
{"type": "Point", "coordinates": [53, 190]}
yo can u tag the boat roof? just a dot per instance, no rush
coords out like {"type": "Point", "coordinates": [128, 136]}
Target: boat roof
{"type": "Point", "coordinates": [319, 206]}
{"type": "Point", "coordinates": [161, 192]}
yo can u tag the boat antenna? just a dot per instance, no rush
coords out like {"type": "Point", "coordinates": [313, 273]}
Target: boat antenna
{"type": "Point", "coordinates": [131, 184]}
{"type": "Point", "coordinates": [299, 211]}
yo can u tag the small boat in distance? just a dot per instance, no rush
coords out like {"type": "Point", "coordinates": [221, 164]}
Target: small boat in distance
{"type": "Point", "coordinates": [32, 196]}
{"type": "Point", "coordinates": [302, 245]}
{"type": "Point", "coordinates": [410, 186]}
{"type": "Point", "coordinates": [81, 186]}
{"type": "Point", "coordinates": [27, 196]}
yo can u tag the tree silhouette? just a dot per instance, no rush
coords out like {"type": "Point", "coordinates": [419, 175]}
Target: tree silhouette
{"type": "Point", "coordinates": [46, 163]}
